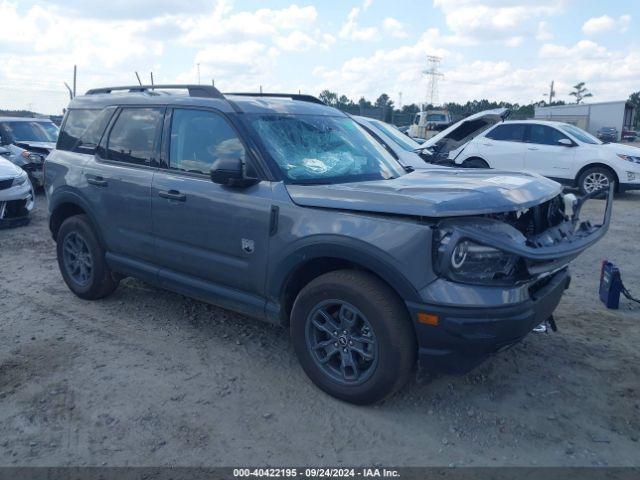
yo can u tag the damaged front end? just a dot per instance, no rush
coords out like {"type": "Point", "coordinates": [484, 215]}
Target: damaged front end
{"type": "Point", "coordinates": [17, 199]}
{"type": "Point", "coordinates": [516, 247]}
{"type": "Point", "coordinates": [499, 276]}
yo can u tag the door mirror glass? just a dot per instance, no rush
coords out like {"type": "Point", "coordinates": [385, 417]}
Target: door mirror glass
{"type": "Point", "coordinates": [229, 171]}
{"type": "Point", "coordinates": [565, 142]}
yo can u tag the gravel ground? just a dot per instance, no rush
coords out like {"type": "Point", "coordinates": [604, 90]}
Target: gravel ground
{"type": "Point", "coordinates": [148, 377]}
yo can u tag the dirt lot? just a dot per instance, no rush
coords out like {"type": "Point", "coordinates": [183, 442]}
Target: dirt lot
{"type": "Point", "coordinates": [147, 377]}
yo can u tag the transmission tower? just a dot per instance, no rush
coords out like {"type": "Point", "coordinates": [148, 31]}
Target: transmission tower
{"type": "Point", "coordinates": [433, 72]}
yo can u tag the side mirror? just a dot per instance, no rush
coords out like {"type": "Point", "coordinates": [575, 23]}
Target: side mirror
{"type": "Point", "coordinates": [3, 151]}
{"type": "Point", "coordinates": [229, 171]}
{"type": "Point", "coordinates": [565, 142]}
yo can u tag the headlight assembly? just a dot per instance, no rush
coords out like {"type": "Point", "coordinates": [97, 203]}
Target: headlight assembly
{"type": "Point", "coordinates": [629, 158]}
{"type": "Point", "coordinates": [470, 262]}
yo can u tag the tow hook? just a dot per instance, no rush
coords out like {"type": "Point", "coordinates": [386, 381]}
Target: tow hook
{"type": "Point", "coordinates": [544, 326]}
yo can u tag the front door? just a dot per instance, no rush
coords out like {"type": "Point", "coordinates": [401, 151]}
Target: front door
{"type": "Point", "coordinates": [545, 155]}
{"type": "Point", "coordinates": [502, 147]}
{"type": "Point", "coordinates": [204, 231]}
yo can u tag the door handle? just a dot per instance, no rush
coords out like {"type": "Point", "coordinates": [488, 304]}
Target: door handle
{"type": "Point", "coordinates": [532, 148]}
{"type": "Point", "coordinates": [488, 144]}
{"type": "Point", "coordinates": [173, 195]}
{"type": "Point", "coordinates": [96, 180]}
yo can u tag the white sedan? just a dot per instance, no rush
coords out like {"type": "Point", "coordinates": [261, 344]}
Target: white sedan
{"type": "Point", "coordinates": [556, 150]}
{"type": "Point", "coordinates": [16, 194]}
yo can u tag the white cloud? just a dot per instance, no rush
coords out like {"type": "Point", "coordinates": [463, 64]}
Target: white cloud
{"type": "Point", "coordinates": [393, 70]}
{"type": "Point", "coordinates": [394, 27]}
{"type": "Point", "coordinates": [475, 21]}
{"type": "Point", "coordinates": [605, 23]}
{"type": "Point", "coordinates": [222, 24]}
{"type": "Point", "coordinates": [609, 74]}
{"type": "Point", "coordinates": [352, 31]}
{"type": "Point", "coordinates": [543, 34]}
{"type": "Point", "coordinates": [513, 42]}
{"type": "Point", "coordinates": [296, 41]}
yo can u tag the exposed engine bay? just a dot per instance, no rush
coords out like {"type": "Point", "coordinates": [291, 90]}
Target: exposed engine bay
{"type": "Point", "coordinates": [517, 246]}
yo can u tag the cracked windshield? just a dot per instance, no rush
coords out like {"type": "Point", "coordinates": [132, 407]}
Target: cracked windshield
{"type": "Point", "coordinates": [323, 149]}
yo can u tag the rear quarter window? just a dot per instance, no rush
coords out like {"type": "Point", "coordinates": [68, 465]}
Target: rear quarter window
{"type": "Point", "coordinates": [83, 129]}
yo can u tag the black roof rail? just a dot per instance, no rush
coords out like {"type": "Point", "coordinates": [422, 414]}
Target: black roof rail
{"type": "Point", "coordinates": [206, 91]}
{"type": "Point", "coordinates": [292, 96]}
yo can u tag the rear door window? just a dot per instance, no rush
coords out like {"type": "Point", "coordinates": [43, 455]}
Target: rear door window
{"type": "Point", "coordinates": [508, 132]}
{"type": "Point", "coordinates": [135, 136]}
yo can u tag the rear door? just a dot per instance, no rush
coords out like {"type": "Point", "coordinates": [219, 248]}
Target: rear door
{"type": "Point", "coordinates": [503, 146]}
{"type": "Point", "coordinates": [119, 180]}
{"type": "Point", "coordinates": [207, 232]}
{"type": "Point", "coordinates": [545, 155]}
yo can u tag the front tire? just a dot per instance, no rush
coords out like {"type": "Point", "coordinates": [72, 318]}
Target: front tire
{"type": "Point", "coordinates": [81, 260]}
{"type": "Point", "coordinates": [595, 178]}
{"type": "Point", "coordinates": [352, 336]}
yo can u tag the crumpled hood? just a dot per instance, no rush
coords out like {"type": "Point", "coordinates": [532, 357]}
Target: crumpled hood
{"type": "Point", "coordinates": [37, 145]}
{"type": "Point", "coordinates": [433, 193]}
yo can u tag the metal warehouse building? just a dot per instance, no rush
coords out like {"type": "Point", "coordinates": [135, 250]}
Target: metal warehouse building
{"type": "Point", "coordinates": [591, 116]}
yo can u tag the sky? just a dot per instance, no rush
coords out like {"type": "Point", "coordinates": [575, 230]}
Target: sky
{"type": "Point", "coordinates": [507, 50]}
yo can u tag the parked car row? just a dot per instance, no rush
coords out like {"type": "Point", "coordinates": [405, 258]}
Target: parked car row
{"type": "Point", "coordinates": [285, 209]}
{"type": "Point", "coordinates": [556, 150]}
{"type": "Point", "coordinates": [29, 141]}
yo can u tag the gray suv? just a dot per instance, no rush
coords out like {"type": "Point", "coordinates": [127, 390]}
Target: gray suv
{"type": "Point", "coordinates": [282, 208]}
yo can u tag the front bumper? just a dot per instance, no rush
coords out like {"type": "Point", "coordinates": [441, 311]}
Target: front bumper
{"type": "Point", "coordinates": [466, 336]}
{"type": "Point", "coordinates": [15, 205]}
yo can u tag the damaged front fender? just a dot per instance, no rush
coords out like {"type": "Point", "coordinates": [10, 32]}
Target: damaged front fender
{"type": "Point", "coordinates": [538, 253]}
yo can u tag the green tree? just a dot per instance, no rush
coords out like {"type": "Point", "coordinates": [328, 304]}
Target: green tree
{"type": "Point", "coordinates": [329, 97]}
{"type": "Point", "coordinates": [580, 92]}
{"type": "Point", "coordinates": [364, 103]}
{"type": "Point", "coordinates": [384, 101]}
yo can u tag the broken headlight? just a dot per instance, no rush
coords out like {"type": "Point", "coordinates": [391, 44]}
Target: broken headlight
{"type": "Point", "coordinates": [466, 261]}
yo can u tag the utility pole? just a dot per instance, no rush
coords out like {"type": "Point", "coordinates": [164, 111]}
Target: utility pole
{"type": "Point", "coordinates": [551, 94]}
{"type": "Point", "coordinates": [198, 65]}
{"type": "Point", "coordinates": [399, 100]}
{"type": "Point", "coordinates": [138, 77]}
{"type": "Point", "coordinates": [75, 75]}
{"type": "Point", "coordinates": [151, 75]}
{"type": "Point", "coordinates": [433, 72]}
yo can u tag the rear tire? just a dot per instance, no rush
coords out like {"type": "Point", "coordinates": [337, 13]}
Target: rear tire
{"type": "Point", "coordinates": [353, 337]}
{"type": "Point", "coordinates": [81, 260]}
{"type": "Point", "coordinates": [475, 162]}
{"type": "Point", "coordinates": [595, 178]}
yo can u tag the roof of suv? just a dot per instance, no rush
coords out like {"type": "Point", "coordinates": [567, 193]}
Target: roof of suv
{"type": "Point", "coordinates": [205, 96]}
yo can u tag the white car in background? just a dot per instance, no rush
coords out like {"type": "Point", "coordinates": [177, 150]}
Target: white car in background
{"type": "Point", "coordinates": [560, 151]}
{"type": "Point", "coordinates": [16, 193]}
